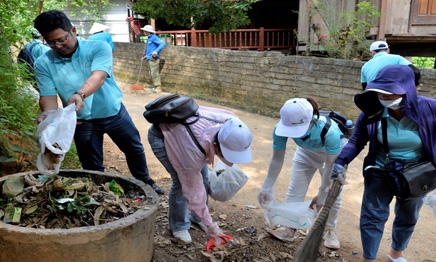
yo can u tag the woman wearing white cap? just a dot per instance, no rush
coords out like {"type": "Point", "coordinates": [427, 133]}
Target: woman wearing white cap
{"type": "Point", "coordinates": [220, 133]}
{"type": "Point", "coordinates": [300, 120]}
{"type": "Point", "coordinates": [151, 53]}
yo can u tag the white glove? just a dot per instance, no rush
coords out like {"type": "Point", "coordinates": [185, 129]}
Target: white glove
{"type": "Point", "coordinates": [265, 197]}
{"type": "Point", "coordinates": [214, 231]}
{"type": "Point", "coordinates": [44, 115]}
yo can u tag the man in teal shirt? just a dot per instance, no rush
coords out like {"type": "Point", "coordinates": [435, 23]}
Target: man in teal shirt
{"type": "Point", "coordinates": [80, 72]}
{"type": "Point", "coordinates": [380, 58]}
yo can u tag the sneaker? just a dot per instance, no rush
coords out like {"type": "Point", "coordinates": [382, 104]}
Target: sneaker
{"type": "Point", "coordinates": [398, 259]}
{"type": "Point", "coordinates": [283, 233]}
{"type": "Point", "coordinates": [200, 225]}
{"type": "Point", "coordinates": [183, 236]}
{"type": "Point", "coordinates": [330, 239]}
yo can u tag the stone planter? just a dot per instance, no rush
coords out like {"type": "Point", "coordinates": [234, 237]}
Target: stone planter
{"type": "Point", "coordinates": [127, 239]}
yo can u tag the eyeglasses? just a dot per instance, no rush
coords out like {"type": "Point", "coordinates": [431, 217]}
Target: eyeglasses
{"type": "Point", "coordinates": [58, 42]}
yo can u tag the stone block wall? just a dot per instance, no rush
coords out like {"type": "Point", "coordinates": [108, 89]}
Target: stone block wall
{"type": "Point", "coordinates": [258, 82]}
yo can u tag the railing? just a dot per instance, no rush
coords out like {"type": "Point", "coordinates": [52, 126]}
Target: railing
{"type": "Point", "coordinates": [254, 39]}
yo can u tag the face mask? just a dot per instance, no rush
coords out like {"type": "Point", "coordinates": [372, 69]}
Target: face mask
{"type": "Point", "coordinates": [392, 104]}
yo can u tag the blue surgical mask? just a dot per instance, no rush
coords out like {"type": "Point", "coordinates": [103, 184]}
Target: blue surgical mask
{"type": "Point", "coordinates": [392, 104]}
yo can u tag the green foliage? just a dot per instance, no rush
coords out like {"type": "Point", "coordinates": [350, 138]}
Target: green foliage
{"type": "Point", "coordinates": [423, 62]}
{"type": "Point", "coordinates": [18, 103]}
{"type": "Point", "coordinates": [347, 30]}
{"type": "Point", "coordinates": [223, 15]}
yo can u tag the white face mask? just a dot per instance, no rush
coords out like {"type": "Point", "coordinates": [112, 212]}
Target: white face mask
{"type": "Point", "coordinates": [392, 104]}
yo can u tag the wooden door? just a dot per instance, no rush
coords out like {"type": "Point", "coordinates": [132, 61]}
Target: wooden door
{"type": "Point", "coordinates": [424, 12]}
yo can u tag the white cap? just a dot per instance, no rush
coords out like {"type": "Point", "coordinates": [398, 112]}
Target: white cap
{"type": "Point", "coordinates": [148, 28]}
{"type": "Point", "coordinates": [378, 45]}
{"type": "Point", "coordinates": [295, 117]}
{"type": "Point", "coordinates": [97, 27]}
{"type": "Point", "coordinates": [235, 140]}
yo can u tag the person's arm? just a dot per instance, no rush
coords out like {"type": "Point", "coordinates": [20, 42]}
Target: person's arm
{"type": "Point", "coordinates": [160, 45]}
{"type": "Point", "coordinates": [91, 85]}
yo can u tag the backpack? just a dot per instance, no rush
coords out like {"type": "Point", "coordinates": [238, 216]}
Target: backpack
{"type": "Point", "coordinates": [25, 56]}
{"type": "Point", "coordinates": [345, 125]}
{"type": "Point", "coordinates": [170, 108]}
{"type": "Point", "coordinates": [174, 108]}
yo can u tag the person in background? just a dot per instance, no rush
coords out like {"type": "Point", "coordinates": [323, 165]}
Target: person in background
{"type": "Point", "coordinates": [380, 58]}
{"type": "Point", "coordinates": [37, 42]}
{"type": "Point", "coordinates": [220, 133]}
{"type": "Point", "coordinates": [410, 130]}
{"type": "Point", "coordinates": [300, 120]}
{"type": "Point", "coordinates": [80, 72]}
{"type": "Point", "coordinates": [151, 53]}
{"type": "Point", "coordinates": [98, 33]}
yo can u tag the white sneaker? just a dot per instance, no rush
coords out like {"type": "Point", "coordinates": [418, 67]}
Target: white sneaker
{"type": "Point", "coordinates": [200, 225]}
{"type": "Point", "coordinates": [183, 236]}
{"type": "Point", "coordinates": [330, 239]}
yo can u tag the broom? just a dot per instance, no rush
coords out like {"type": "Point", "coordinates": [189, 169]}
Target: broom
{"type": "Point", "coordinates": [137, 86]}
{"type": "Point", "coordinates": [308, 249]}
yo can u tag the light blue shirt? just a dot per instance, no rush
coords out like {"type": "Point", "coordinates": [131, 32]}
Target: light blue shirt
{"type": "Point", "coordinates": [103, 36]}
{"type": "Point", "coordinates": [38, 49]}
{"type": "Point", "coordinates": [64, 76]}
{"type": "Point", "coordinates": [331, 144]}
{"type": "Point", "coordinates": [403, 140]}
{"type": "Point", "coordinates": [371, 68]}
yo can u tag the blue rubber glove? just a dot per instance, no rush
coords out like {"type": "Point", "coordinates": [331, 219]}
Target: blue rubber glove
{"type": "Point", "coordinates": [339, 173]}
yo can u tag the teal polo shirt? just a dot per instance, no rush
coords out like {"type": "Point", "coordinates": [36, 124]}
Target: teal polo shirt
{"type": "Point", "coordinates": [371, 68]}
{"type": "Point", "coordinates": [64, 76]}
{"type": "Point", "coordinates": [331, 145]}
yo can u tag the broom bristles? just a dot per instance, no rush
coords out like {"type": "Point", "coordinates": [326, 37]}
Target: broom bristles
{"type": "Point", "coordinates": [137, 86]}
{"type": "Point", "coordinates": [308, 249]}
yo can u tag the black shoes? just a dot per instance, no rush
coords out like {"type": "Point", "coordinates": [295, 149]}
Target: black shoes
{"type": "Point", "coordinates": [155, 187]}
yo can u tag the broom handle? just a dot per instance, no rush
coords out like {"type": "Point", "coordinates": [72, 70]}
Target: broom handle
{"type": "Point", "coordinates": [140, 69]}
{"type": "Point", "coordinates": [308, 249]}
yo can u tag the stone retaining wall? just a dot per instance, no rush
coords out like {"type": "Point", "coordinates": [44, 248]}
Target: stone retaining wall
{"type": "Point", "coordinates": [258, 82]}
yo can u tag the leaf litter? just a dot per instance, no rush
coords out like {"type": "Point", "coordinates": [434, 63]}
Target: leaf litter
{"type": "Point", "coordinates": [49, 202]}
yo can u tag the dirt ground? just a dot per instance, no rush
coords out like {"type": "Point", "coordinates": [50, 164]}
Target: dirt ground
{"type": "Point", "coordinates": [242, 217]}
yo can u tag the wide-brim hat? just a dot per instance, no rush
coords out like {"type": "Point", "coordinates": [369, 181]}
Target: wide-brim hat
{"type": "Point", "coordinates": [148, 28]}
{"type": "Point", "coordinates": [97, 27]}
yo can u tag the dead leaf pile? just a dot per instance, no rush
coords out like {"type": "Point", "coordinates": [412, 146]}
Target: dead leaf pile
{"type": "Point", "coordinates": [62, 202]}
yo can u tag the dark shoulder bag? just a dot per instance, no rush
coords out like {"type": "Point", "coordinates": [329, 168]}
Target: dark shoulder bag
{"type": "Point", "coordinates": [415, 179]}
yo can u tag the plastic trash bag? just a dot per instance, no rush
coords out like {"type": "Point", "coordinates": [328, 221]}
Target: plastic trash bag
{"type": "Point", "coordinates": [293, 215]}
{"type": "Point", "coordinates": [430, 201]}
{"type": "Point", "coordinates": [225, 181]}
{"type": "Point", "coordinates": [54, 137]}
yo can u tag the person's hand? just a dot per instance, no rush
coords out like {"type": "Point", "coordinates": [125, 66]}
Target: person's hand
{"type": "Point", "coordinates": [143, 57]}
{"type": "Point", "coordinates": [214, 231]}
{"type": "Point", "coordinates": [77, 99]}
{"type": "Point", "coordinates": [265, 197]}
{"type": "Point", "coordinates": [313, 204]}
{"type": "Point", "coordinates": [154, 54]}
{"type": "Point", "coordinates": [339, 173]}
{"type": "Point", "coordinates": [44, 115]}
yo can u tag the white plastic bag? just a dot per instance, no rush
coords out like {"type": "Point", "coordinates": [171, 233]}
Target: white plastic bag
{"type": "Point", "coordinates": [225, 181]}
{"type": "Point", "coordinates": [293, 215]}
{"type": "Point", "coordinates": [54, 137]}
{"type": "Point", "coordinates": [430, 201]}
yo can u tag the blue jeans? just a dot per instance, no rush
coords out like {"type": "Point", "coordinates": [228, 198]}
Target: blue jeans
{"type": "Point", "coordinates": [121, 129]}
{"type": "Point", "coordinates": [179, 218]}
{"type": "Point", "coordinates": [375, 212]}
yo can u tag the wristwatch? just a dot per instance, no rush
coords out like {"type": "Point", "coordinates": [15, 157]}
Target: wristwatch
{"type": "Point", "coordinates": [82, 95]}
